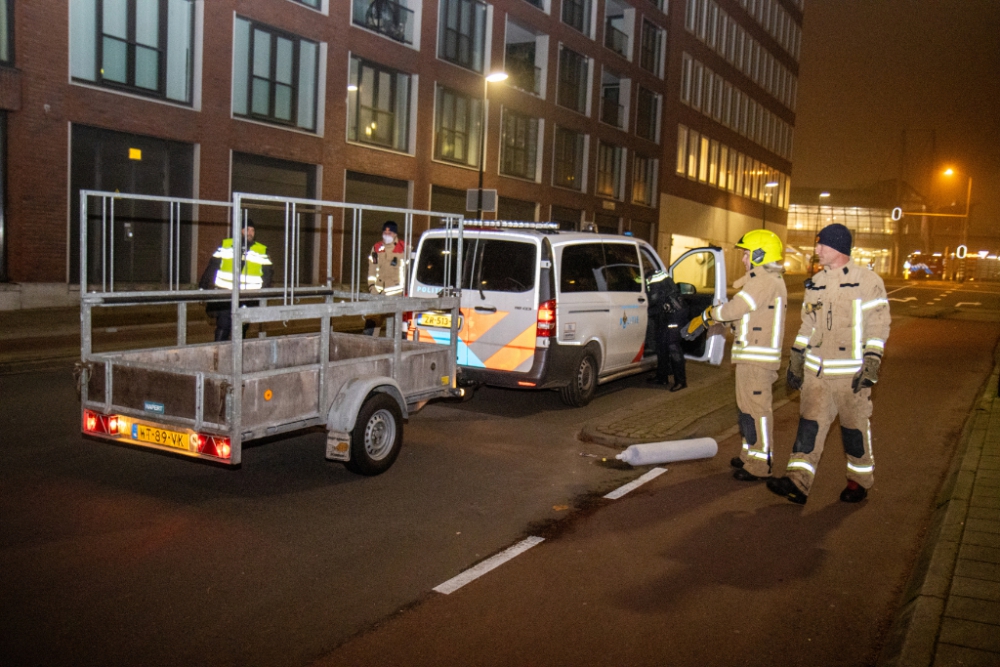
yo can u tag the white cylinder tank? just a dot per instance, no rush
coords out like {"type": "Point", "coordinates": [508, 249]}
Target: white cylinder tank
{"type": "Point", "coordinates": [651, 453]}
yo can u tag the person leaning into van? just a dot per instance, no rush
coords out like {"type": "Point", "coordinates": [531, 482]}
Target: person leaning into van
{"type": "Point", "coordinates": [255, 273]}
{"type": "Point", "coordinates": [669, 313]}
{"type": "Point", "coordinates": [386, 270]}
{"type": "Point", "coordinates": [757, 315]}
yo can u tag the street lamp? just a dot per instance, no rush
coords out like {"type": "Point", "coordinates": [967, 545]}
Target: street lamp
{"type": "Point", "coordinates": [968, 204]}
{"type": "Point", "coordinates": [770, 185]}
{"type": "Point", "coordinates": [494, 77]}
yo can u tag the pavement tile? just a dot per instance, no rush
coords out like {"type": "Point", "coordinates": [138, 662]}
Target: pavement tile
{"type": "Point", "coordinates": [964, 482]}
{"type": "Point", "coordinates": [986, 483]}
{"type": "Point", "coordinates": [983, 636]}
{"type": "Point", "coordinates": [981, 539]}
{"type": "Point", "coordinates": [977, 569]}
{"type": "Point", "coordinates": [989, 463]}
{"type": "Point", "coordinates": [975, 552]}
{"type": "Point", "coordinates": [988, 474]}
{"type": "Point", "coordinates": [972, 609]}
{"type": "Point", "coordinates": [983, 525]}
{"type": "Point", "coordinates": [976, 588]}
{"type": "Point", "coordinates": [984, 513]}
{"type": "Point", "coordinates": [983, 501]}
{"type": "Point", "coordinates": [949, 655]}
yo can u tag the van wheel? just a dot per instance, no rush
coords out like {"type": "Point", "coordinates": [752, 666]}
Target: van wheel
{"type": "Point", "coordinates": [581, 388]}
{"type": "Point", "coordinates": [377, 436]}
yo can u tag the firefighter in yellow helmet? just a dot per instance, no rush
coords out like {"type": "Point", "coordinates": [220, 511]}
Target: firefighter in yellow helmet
{"type": "Point", "coordinates": [835, 361]}
{"type": "Point", "coordinates": [757, 317]}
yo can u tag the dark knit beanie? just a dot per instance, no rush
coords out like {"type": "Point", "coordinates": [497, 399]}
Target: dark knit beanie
{"type": "Point", "coordinates": [390, 226]}
{"type": "Point", "coordinates": [836, 236]}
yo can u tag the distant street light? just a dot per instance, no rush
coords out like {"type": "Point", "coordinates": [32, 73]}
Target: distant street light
{"type": "Point", "coordinates": [494, 77]}
{"type": "Point", "coordinates": [770, 185]}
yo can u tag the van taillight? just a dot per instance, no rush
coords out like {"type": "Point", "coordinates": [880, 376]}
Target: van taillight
{"type": "Point", "coordinates": [546, 325]}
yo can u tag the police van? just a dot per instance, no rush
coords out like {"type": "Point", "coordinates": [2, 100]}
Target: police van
{"type": "Point", "coordinates": [548, 309]}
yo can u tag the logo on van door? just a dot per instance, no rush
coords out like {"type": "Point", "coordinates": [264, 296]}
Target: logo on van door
{"type": "Point", "coordinates": [627, 319]}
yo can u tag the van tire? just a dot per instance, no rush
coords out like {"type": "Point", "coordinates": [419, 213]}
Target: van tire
{"type": "Point", "coordinates": [377, 436]}
{"type": "Point", "coordinates": [583, 384]}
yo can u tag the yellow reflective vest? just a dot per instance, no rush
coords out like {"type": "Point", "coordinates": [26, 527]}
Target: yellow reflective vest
{"type": "Point", "coordinates": [845, 316]}
{"type": "Point", "coordinates": [252, 272]}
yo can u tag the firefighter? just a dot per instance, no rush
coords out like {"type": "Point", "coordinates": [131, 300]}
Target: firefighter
{"type": "Point", "coordinates": [668, 312]}
{"type": "Point", "coordinates": [757, 317]}
{"type": "Point", "coordinates": [386, 270]}
{"type": "Point", "coordinates": [256, 272]}
{"type": "Point", "coordinates": [835, 361]}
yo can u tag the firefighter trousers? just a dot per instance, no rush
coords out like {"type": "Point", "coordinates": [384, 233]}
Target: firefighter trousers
{"type": "Point", "coordinates": [755, 416]}
{"type": "Point", "coordinates": [821, 401]}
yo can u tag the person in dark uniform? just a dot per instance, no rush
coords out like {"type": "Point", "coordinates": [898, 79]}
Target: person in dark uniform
{"type": "Point", "coordinates": [256, 273]}
{"type": "Point", "coordinates": [669, 313]}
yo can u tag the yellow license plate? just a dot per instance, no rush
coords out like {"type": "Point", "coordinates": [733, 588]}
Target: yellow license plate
{"type": "Point", "coordinates": [435, 320]}
{"type": "Point", "coordinates": [160, 436]}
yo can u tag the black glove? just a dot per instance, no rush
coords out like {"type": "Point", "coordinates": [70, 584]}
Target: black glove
{"type": "Point", "coordinates": [796, 369]}
{"type": "Point", "coordinates": [868, 375]}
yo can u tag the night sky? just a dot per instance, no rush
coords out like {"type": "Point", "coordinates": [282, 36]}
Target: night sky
{"type": "Point", "coordinates": [873, 68]}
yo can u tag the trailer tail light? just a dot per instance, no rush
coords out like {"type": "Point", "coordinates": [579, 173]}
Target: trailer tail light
{"type": "Point", "coordinates": [90, 421]}
{"type": "Point", "coordinates": [212, 445]}
{"type": "Point", "coordinates": [94, 422]}
{"type": "Point", "coordinates": [546, 324]}
{"type": "Point", "coordinates": [407, 321]}
{"type": "Point", "coordinates": [113, 424]}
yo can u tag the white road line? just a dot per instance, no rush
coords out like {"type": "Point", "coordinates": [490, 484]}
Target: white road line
{"type": "Point", "coordinates": [635, 483]}
{"type": "Point", "coordinates": [487, 565]}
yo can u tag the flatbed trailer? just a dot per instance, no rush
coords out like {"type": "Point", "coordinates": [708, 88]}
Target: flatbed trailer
{"type": "Point", "coordinates": [206, 400]}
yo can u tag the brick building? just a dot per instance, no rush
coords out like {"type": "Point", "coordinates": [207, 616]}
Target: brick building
{"type": "Point", "coordinates": [666, 118]}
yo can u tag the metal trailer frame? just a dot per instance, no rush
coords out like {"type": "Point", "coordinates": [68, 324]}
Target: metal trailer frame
{"type": "Point", "coordinates": [337, 303]}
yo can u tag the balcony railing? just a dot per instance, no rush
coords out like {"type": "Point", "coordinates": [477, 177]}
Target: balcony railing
{"type": "Point", "coordinates": [612, 113]}
{"type": "Point", "coordinates": [615, 39]}
{"type": "Point", "coordinates": [385, 17]}
{"type": "Point", "coordinates": [525, 77]}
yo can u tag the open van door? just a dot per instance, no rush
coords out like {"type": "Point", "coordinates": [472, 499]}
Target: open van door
{"type": "Point", "coordinates": [705, 268]}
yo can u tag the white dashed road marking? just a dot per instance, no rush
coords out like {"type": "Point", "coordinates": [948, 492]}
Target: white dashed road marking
{"type": "Point", "coordinates": [487, 565]}
{"type": "Point", "coordinates": [635, 484]}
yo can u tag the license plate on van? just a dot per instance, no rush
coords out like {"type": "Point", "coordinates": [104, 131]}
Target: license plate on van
{"type": "Point", "coordinates": [439, 320]}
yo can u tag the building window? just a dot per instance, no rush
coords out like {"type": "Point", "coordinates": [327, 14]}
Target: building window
{"type": "Point", "coordinates": [463, 33]}
{"type": "Point", "coordinates": [386, 17]}
{"type": "Point", "coordinates": [315, 4]}
{"type": "Point", "coordinates": [644, 180]}
{"type": "Point", "coordinates": [459, 127]}
{"type": "Point", "coordinates": [576, 13]}
{"type": "Point", "coordinates": [7, 32]}
{"type": "Point", "coordinates": [568, 159]}
{"type": "Point", "coordinates": [524, 51]}
{"type": "Point", "coordinates": [519, 145]}
{"type": "Point", "coordinates": [651, 48]}
{"type": "Point", "coordinates": [609, 170]}
{"type": "Point", "coordinates": [378, 105]}
{"type": "Point", "coordinates": [142, 46]}
{"type": "Point", "coordinates": [612, 111]}
{"type": "Point", "coordinates": [647, 120]}
{"type": "Point", "coordinates": [274, 75]}
{"type": "Point", "coordinates": [573, 79]}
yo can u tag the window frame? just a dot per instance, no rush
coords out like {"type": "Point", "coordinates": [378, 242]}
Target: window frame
{"type": "Point", "coordinates": [614, 155]}
{"type": "Point", "coordinates": [402, 146]}
{"type": "Point", "coordinates": [564, 82]}
{"type": "Point", "coordinates": [294, 86]}
{"type": "Point", "coordinates": [7, 14]}
{"type": "Point", "coordinates": [559, 162]}
{"type": "Point", "coordinates": [650, 175]}
{"type": "Point", "coordinates": [655, 53]}
{"type": "Point", "coordinates": [585, 8]}
{"type": "Point", "coordinates": [444, 30]}
{"type": "Point", "coordinates": [473, 121]}
{"type": "Point", "coordinates": [529, 153]}
{"type": "Point", "coordinates": [655, 107]}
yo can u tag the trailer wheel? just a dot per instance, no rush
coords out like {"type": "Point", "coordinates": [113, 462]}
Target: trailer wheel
{"type": "Point", "coordinates": [583, 384]}
{"type": "Point", "coordinates": [377, 435]}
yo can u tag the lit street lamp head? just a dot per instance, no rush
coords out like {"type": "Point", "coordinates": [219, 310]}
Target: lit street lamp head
{"type": "Point", "coordinates": [496, 77]}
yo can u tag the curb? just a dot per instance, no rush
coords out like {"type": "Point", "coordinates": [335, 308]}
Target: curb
{"type": "Point", "coordinates": [913, 636]}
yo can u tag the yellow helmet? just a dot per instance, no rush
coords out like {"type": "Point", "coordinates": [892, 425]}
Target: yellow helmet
{"type": "Point", "coordinates": [764, 246]}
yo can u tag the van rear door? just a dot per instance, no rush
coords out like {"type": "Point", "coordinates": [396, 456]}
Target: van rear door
{"type": "Point", "coordinates": [500, 303]}
{"type": "Point", "coordinates": [704, 268]}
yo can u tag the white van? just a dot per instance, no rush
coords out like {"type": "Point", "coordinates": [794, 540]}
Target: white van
{"type": "Point", "coordinates": [548, 309]}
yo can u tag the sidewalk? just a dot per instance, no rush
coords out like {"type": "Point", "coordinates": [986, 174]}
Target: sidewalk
{"type": "Point", "coordinates": [951, 608]}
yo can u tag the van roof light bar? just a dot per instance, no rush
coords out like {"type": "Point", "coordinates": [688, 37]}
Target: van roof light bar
{"type": "Point", "coordinates": [511, 224]}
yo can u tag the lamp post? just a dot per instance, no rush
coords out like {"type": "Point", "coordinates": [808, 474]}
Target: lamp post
{"type": "Point", "coordinates": [770, 185]}
{"type": "Point", "coordinates": [965, 219]}
{"type": "Point", "coordinates": [487, 80]}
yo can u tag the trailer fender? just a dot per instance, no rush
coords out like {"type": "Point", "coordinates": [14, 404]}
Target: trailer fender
{"type": "Point", "coordinates": [345, 407]}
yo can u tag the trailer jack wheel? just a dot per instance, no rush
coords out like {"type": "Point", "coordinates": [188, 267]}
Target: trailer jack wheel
{"type": "Point", "coordinates": [377, 436]}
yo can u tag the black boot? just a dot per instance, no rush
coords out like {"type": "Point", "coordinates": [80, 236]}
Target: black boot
{"type": "Point", "coordinates": [786, 488]}
{"type": "Point", "coordinates": [853, 493]}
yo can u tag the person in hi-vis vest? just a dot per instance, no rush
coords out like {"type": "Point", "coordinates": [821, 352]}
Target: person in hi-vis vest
{"type": "Point", "coordinates": [255, 273]}
{"type": "Point", "coordinates": [387, 266]}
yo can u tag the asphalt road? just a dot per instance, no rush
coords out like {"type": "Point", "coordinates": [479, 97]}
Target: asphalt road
{"type": "Point", "coordinates": [115, 556]}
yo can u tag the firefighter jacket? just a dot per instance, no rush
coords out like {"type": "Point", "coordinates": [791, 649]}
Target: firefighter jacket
{"type": "Point", "coordinates": [255, 272]}
{"type": "Point", "coordinates": [758, 316]}
{"type": "Point", "coordinates": [845, 316]}
{"type": "Point", "coordinates": [387, 269]}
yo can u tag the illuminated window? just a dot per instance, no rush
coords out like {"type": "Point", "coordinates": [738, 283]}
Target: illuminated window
{"type": "Point", "coordinates": [378, 105]}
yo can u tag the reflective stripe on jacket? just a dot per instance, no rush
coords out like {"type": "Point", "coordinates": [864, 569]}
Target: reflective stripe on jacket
{"type": "Point", "coordinates": [845, 315]}
{"type": "Point", "coordinates": [252, 271]}
{"type": "Point", "coordinates": [387, 269]}
{"type": "Point", "coordinates": [758, 313]}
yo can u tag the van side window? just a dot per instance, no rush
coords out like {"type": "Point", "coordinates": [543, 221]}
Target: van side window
{"type": "Point", "coordinates": [505, 266]}
{"type": "Point", "coordinates": [622, 271]}
{"type": "Point", "coordinates": [583, 268]}
{"type": "Point", "coordinates": [649, 265]}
